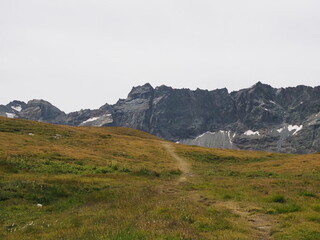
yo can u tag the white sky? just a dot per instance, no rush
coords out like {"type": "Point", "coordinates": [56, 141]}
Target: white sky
{"type": "Point", "coordinates": [85, 53]}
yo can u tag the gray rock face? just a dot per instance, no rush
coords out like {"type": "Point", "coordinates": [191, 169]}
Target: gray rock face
{"type": "Point", "coordinates": [256, 118]}
{"type": "Point", "coordinates": [220, 139]}
{"type": "Point", "coordinates": [135, 110]}
{"type": "Point", "coordinates": [16, 106]}
{"type": "Point", "coordinates": [179, 114]}
{"type": "Point", "coordinates": [89, 117]}
{"type": "Point", "coordinates": [42, 111]}
{"type": "Point", "coordinates": [98, 117]}
{"type": "Point", "coordinates": [174, 113]}
{"type": "Point", "coordinates": [12, 109]}
{"type": "Point", "coordinates": [38, 110]}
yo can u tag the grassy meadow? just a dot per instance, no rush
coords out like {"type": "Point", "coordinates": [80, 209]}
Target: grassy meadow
{"type": "Point", "coordinates": [62, 182]}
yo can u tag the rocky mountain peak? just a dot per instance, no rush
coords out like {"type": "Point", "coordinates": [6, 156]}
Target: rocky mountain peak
{"type": "Point", "coordinates": [16, 103]}
{"type": "Point", "coordinates": [261, 89]}
{"type": "Point", "coordinates": [41, 110]}
{"type": "Point", "coordinates": [257, 118]}
{"type": "Point", "coordinates": [38, 102]}
{"type": "Point", "coordinates": [106, 107]}
{"type": "Point", "coordinates": [143, 91]}
{"type": "Point", "coordinates": [260, 85]}
{"type": "Point", "coordinates": [16, 106]}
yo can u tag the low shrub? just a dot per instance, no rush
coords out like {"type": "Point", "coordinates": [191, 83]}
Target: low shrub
{"type": "Point", "coordinates": [146, 172]}
{"type": "Point", "coordinates": [307, 194]}
{"type": "Point", "coordinates": [278, 199]}
{"type": "Point", "coordinates": [289, 208]}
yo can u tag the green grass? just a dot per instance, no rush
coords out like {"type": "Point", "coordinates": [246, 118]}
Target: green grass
{"type": "Point", "coordinates": [308, 194]}
{"type": "Point", "coordinates": [120, 183]}
{"type": "Point", "coordinates": [278, 199]}
{"type": "Point", "coordinates": [284, 187]}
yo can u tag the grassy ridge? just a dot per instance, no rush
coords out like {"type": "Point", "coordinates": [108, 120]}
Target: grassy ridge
{"type": "Point", "coordinates": [61, 182]}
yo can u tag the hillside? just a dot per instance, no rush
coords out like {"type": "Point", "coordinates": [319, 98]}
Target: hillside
{"type": "Point", "coordinates": [64, 182]}
{"type": "Point", "coordinates": [256, 118]}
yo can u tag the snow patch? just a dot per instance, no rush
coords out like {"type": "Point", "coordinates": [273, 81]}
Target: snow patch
{"type": "Point", "coordinates": [218, 139]}
{"type": "Point", "coordinates": [280, 130]}
{"type": "Point", "coordinates": [17, 108]}
{"type": "Point", "coordinates": [230, 138]}
{"type": "Point", "coordinates": [294, 128]}
{"type": "Point", "coordinates": [290, 128]}
{"type": "Point", "coordinates": [90, 120]}
{"type": "Point", "coordinates": [272, 102]}
{"type": "Point", "coordinates": [10, 115]}
{"type": "Point", "coordinates": [200, 136]}
{"type": "Point", "coordinates": [250, 132]}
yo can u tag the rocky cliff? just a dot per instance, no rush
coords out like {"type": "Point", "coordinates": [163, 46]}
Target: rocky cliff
{"type": "Point", "coordinates": [257, 118]}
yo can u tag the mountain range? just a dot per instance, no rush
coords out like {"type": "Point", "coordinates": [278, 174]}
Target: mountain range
{"type": "Point", "coordinates": [257, 118]}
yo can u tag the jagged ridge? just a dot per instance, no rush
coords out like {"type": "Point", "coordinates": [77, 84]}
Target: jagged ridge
{"type": "Point", "coordinates": [258, 118]}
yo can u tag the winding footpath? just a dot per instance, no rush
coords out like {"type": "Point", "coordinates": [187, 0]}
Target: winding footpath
{"type": "Point", "coordinates": [183, 165]}
{"type": "Point", "coordinates": [258, 222]}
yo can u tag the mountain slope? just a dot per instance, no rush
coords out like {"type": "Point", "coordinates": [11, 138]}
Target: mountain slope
{"type": "Point", "coordinates": [256, 118]}
{"type": "Point", "coordinates": [119, 183]}
{"type": "Point", "coordinates": [259, 118]}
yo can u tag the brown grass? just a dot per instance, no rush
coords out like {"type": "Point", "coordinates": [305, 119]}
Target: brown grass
{"type": "Point", "coordinates": [120, 183]}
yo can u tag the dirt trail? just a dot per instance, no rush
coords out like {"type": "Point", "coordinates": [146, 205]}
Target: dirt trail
{"type": "Point", "coordinates": [182, 164]}
{"type": "Point", "coordinates": [259, 223]}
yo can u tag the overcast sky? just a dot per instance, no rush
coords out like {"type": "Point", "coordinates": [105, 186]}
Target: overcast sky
{"type": "Point", "coordinates": [84, 53]}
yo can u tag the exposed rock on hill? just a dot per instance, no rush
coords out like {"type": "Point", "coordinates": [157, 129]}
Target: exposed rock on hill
{"type": "Point", "coordinates": [42, 111]}
{"type": "Point", "coordinates": [258, 118]}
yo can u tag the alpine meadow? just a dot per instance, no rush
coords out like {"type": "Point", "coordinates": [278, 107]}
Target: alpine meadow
{"type": "Point", "coordinates": [159, 120]}
{"type": "Point", "coordinates": [64, 182]}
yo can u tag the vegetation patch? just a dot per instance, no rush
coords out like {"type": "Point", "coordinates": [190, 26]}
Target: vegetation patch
{"type": "Point", "coordinates": [316, 207]}
{"type": "Point", "coordinates": [278, 199]}
{"type": "Point", "coordinates": [208, 157]}
{"type": "Point", "coordinates": [308, 194]}
{"type": "Point", "coordinates": [214, 225]}
{"type": "Point", "coordinates": [261, 174]}
{"type": "Point", "coordinates": [36, 165]}
{"type": "Point", "coordinates": [63, 182]}
{"type": "Point", "coordinates": [287, 208]}
{"type": "Point", "coordinates": [300, 234]}
{"type": "Point", "coordinates": [315, 219]}
{"type": "Point", "coordinates": [146, 172]}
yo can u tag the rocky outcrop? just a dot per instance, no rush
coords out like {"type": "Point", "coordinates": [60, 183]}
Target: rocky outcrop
{"type": "Point", "coordinates": [42, 111]}
{"type": "Point", "coordinates": [12, 109]}
{"type": "Point", "coordinates": [135, 110]}
{"type": "Point", "coordinates": [97, 118]}
{"type": "Point", "coordinates": [257, 118]}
